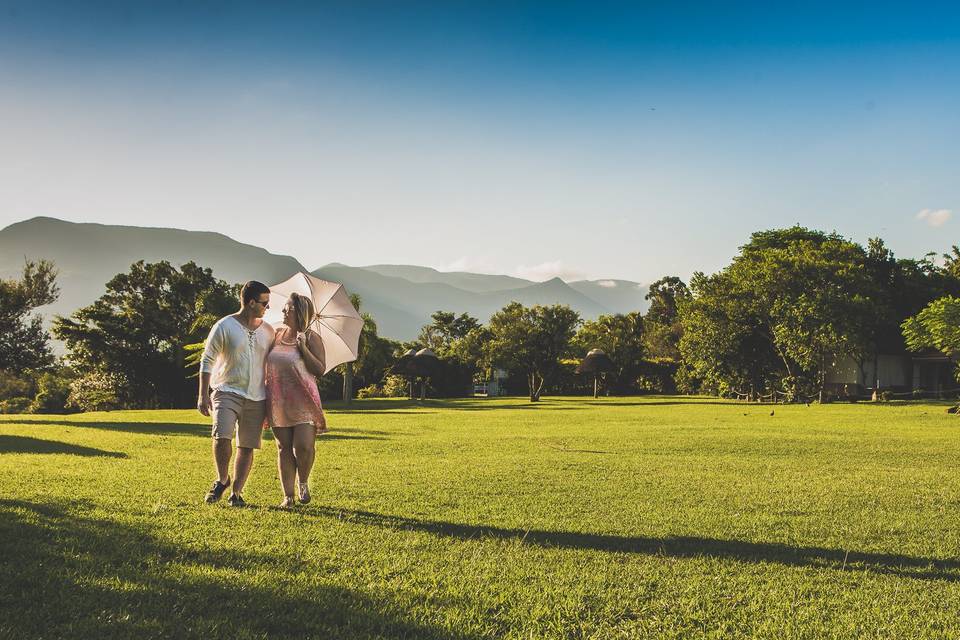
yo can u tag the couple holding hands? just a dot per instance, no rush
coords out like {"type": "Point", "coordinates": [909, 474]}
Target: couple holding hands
{"type": "Point", "coordinates": [252, 377]}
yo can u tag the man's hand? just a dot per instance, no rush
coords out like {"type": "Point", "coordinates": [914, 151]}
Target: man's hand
{"type": "Point", "coordinates": [203, 404]}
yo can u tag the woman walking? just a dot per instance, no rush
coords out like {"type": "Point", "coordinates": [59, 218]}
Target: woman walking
{"type": "Point", "coordinates": [293, 400]}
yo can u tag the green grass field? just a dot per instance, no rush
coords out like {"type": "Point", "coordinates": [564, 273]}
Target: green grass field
{"type": "Point", "coordinates": [655, 517]}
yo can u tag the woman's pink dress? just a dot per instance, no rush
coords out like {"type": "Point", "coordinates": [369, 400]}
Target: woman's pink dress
{"type": "Point", "coordinates": [292, 394]}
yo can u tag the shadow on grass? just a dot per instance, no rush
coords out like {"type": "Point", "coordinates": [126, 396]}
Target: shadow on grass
{"type": "Point", "coordinates": [417, 407]}
{"type": "Point", "coordinates": [64, 573]}
{"type": "Point", "coordinates": [188, 429]}
{"type": "Point", "coordinates": [150, 428]}
{"type": "Point", "coordinates": [675, 547]}
{"type": "Point", "coordinates": [25, 444]}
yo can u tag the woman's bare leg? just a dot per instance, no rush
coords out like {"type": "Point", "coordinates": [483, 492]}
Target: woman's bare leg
{"type": "Point", "coordinates": [286, 461]}
{"type": "Point", "coordinates": [304, 446]}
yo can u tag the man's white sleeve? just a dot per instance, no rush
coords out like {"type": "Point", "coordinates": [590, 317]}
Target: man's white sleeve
{"type": "Point", "coordinates": [212, 348]}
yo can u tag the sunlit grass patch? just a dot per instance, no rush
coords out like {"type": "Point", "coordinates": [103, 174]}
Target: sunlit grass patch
{"type": "Point", "coordinates": [487, 518]}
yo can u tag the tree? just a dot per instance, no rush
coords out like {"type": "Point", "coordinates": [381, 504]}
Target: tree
{"type": "Point", "coordinates": [24, 344]}
{"type": "Point", "coordinates": [455, 341]}
{"type": "Point", "coordinates": [532, 341]}
{"type": "Point", "coordinates": [937, 326]}
{"type": "Point", "coordinates": [444, 330]}
{"type": "Point", "coordinates": [131, 341]}
{"type": "Point", "coordinates": [791, 303]}
{"type": "Point", "coordinates": [374, 355]}
{"type": "Point", "coordinates": [621, 337]}
{"type": "Point", "coordinates": [662, 326]}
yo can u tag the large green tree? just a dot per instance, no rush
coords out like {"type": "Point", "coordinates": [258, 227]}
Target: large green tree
{"type": "Point", "coordinates": [24, 344]}
{"type": "Point", "coordinates": [129, 345]}
{"type": "Point", "coordinates": [789, 306]}
{"type": "Point", "coordinates": [531, 340]}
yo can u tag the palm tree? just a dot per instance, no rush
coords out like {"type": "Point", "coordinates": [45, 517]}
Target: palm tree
{"type": "Point", "coordinates": [369, 329]}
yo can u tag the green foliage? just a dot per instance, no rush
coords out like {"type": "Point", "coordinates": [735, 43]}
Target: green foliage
{"type": "Point", "coordinates": [53, 392]}
{"type": "Point", "coordinates": [780, 315]}
{"type": "Point", "coordinates": [375, 355]}
{"type": "Point", "coordinates": [16, 404]}
{"type": "Point", "coordinates": [139, 331]}
{"type": "Point", "coordinates": [531, 341]}
{"type": "Point", "coordinates": [937, 326]}
{"type": "Point", "coordinates": [662, 327]}
{"type": "Point", "coordinates": [621, 337]}
{"type": "Point", "coordinates": [24, 344]}
{"type": "Point", "coordinates": [16, 385]}
{"type": "Point", "coordinates": [99, 390]}
{"type": "Point", "coordinates": [458, 343]}
{"type": "Point", "coordinates": [445, 330]}
{"type": "Point", "coordinates": [395, 387]}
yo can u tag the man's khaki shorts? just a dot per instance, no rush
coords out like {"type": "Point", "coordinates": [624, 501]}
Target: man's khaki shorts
{"type": "Point", "coordinates": [232, 413]}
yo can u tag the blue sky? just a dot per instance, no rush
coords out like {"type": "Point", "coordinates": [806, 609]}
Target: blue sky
{"type": "Point", "coordinates": [600, 140]}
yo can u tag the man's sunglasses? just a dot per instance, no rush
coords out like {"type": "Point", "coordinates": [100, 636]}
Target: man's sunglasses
{"type": "Point", "coordinates": [266, 305]}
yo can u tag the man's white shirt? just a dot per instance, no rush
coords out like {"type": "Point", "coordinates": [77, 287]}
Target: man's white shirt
{"type": "Point", "coordinates": [234, 357]}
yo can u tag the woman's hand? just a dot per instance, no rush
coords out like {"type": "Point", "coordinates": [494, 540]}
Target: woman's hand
{"type": "Point", "coordinates": [302, 344]}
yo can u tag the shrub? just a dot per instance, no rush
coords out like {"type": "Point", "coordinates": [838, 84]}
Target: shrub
{"type": "Point", "coordinates": [18, 404]}
{"type": "Point", "coordinates": [371, 391]}
{"type": "Point", "coordinates": [15, 385]}
{"type": "Point", "coordinates": [395, 387]}
{"type": "Point", "coordinates": [98, 391]}
{"type": "Point", "coordinates": [53, 391]}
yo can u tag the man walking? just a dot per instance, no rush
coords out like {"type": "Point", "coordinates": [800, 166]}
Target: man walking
{"type": "Point", "coordinates": [232, 367]}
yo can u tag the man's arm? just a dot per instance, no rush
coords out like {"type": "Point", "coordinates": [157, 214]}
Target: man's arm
{"type": "Point", "coordinates": [211, 350]}
{"type": "Point", "coordinates": [203, 400]}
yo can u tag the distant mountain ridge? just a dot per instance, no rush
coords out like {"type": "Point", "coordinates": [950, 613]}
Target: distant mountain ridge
{"type": "Point", "coordinates": [399, 297]}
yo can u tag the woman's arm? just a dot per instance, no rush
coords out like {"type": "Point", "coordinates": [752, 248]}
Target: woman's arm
{"type": "Point", "coordinates": [311, 348]}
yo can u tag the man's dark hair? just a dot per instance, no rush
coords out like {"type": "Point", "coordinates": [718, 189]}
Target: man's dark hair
{"type": "Point", "coordinates": [252, 290]}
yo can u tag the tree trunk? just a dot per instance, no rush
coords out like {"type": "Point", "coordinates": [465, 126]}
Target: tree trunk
{"type": "Point", "coordinates": [536, 394]}
{"type": "Point", "coordinates": [348, 383]}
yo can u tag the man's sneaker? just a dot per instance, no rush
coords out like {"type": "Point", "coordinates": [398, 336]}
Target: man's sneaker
{"type": "Point", "coordinates": [216, 491]}
{"type": "Point", "coordinates": [236, 500]}
{"type": "Point", "coordinates": [304, 492]}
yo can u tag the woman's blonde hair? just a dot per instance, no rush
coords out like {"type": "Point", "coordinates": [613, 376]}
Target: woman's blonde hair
{"type": "Point", "coordinates": [303, 310]}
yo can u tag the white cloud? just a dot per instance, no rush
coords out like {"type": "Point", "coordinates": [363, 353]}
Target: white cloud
{"type": "Point", "coordinates": [547, 271]}
{"type": "Point", "coordinates": [470, 264]}
{"type": "Point", "coordinates": [935, 217]}
{"type": "Point", "coordinates": [608, 284]}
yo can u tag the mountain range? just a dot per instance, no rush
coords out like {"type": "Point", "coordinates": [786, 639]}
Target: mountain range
{"type": "Point", "coordinates": [399, 297]}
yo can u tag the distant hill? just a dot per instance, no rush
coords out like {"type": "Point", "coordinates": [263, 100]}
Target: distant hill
{"type": "Point", "coordinates": [401, 298]}
{"type": "Point", "coordinates": [619, 296]}
{"type": "Point", "coordinates": [88, 255]}
{"type": "Point", "coordinates": [476, 282]}
{"type": "Point", "coordinates": [381, 295]}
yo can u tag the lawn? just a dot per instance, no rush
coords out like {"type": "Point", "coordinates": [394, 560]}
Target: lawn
{"type": "Point", "coordinates": [654, 517]}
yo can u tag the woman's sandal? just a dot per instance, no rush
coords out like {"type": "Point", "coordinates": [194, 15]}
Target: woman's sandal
{"type": "Point", "coordinates": [304, 491]}
{"type": "Point", "coordinates": [288, 503]}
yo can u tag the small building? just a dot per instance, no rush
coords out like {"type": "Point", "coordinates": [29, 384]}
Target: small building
{"type": "Point", "coordinates": [492, 386]}
{"type": "Point", "coordinates": [928, 372]}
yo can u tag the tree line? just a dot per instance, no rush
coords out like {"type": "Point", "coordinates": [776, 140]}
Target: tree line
{"type": "Point", "coordinates": [790, 305]}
